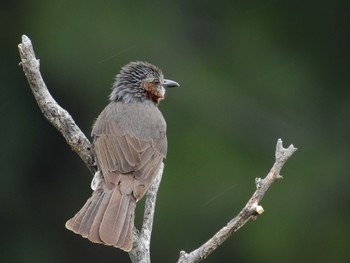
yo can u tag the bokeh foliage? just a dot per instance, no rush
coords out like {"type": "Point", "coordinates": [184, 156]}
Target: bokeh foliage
{"type": "Point", "coordinates": [250, 72]}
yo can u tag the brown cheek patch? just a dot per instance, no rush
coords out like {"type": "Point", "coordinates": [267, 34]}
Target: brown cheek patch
{"type": "Point", "coordinates": [153, 94]}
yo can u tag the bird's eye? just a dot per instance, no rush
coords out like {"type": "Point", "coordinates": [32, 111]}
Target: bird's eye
{"type": "Point", "coordinates": [156, 81]}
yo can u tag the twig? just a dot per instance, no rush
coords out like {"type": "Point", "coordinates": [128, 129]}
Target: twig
{"type": "Point", "coordinates": [251, 209]}
{"type": "Point", "coordinates": [76, 139]}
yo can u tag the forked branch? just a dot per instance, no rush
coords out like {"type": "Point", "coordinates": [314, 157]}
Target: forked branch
{"type": "Point", "coordinates": [75, 138]}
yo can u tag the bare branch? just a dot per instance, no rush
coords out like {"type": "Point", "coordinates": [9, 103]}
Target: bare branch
{"type": "Point", "coordinates": [141, 250]}
{"type": "Point", "coordinates": [251, 209]}
{"type": "Point", "coordinates": [55, 114]}
{"type": "Point", "coordinates": [65, 124]}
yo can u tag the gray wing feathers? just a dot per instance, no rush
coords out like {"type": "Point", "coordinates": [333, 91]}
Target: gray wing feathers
{"type": "Point", "coordinates": [119, 150]}
{"type": "Point", "coordinates": [129, 146]}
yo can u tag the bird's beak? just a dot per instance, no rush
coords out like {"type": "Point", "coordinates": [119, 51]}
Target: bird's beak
{"type": "Point", "coordinates": [167, 83]}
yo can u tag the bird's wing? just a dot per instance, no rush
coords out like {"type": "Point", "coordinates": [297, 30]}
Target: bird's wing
{"type": "Point", "coordinates": [125, 160]}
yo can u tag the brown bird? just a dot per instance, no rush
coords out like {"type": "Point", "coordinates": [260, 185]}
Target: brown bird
{"type": "Point", "coordinates": [129, 145]}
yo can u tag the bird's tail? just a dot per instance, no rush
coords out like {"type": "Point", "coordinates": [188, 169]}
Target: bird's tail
{"type": "Point", "coordinates": [107, 218]}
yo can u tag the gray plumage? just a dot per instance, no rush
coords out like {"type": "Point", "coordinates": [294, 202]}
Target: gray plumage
{"type": "Point", "coordinates": [129, 144]}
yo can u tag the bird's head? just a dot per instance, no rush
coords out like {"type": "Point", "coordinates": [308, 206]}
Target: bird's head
{"type": "Point", "coordinates": [140, 81]}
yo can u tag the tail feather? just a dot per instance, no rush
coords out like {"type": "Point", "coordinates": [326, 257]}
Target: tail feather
{"type": "Point", "coordinates": [126, 236]}
{"type": "Point", "coordinates": [114, 218]}
{"type": "Point", "coordinates": [75, 223]}
{"type": "Point", "coordinates": [94, 233]}
{"type": "Point", "coordinates": [89, 214]}
{"type": "Point", "coordinates": [107, 218]}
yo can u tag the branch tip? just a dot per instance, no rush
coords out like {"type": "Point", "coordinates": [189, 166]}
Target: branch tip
{"type": "Point", "coordinates": [26, 40]}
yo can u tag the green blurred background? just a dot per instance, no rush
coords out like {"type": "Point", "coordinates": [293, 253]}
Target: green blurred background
{"type": "Point", "coordinates": [250, 72]}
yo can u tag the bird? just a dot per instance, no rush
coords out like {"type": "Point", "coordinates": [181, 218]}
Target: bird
{"type": "Point", "coordinates": [129, 145]}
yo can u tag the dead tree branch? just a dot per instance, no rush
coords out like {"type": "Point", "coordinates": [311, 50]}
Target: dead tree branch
{"type": "Point", "coordinates": [251, 209]}
{"type": "Point", "coordinates": [54, 113]}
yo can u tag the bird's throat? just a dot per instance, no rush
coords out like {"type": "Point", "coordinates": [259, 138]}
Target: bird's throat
{"type": "Point", "coordinates": [153, 93]}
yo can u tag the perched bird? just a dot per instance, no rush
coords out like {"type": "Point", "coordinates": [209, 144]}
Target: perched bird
{"type": "Point", "coordinates": [129, 145]}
